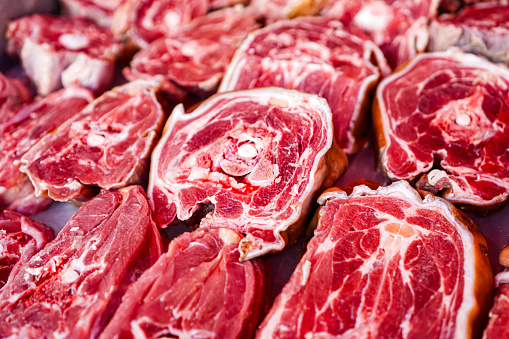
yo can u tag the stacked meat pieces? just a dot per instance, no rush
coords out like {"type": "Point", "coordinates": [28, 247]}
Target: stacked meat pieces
{"type": "Point", "coordinates": [201, 139]}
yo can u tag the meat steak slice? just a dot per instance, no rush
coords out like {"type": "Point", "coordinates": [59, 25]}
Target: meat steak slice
{"type": "Point", "coordinates": [195, 57]}
{"type": "Point", "coordinates": [29, 125]}
{"type": "Point", "coordinates": [13, 94]}
{"type": "Point", "coordinates": [73, 286]}
{"type": "Point", "coordinates": [20, 238]}
{"type": "Point", "coordinates": [254, 160]}
{"type": "Point", "coordinates": [480, 29]}
{"type": "Point", "coordinates": [274, 10]}
{"type": "Point", "coordinates": [444, 117]}
{"type": "Point", "coordinates": [107, 145]}
{"type": "Point", "coordinates": [198, 289]}
{"type": "Point", "coordinates": [63, 51]}
{"type": "Point", "coordinates": [99, 11]}
{"type": "Point", "coordinates": [386, 263]}
{"type": "Point", "coordinates": [313, 55]}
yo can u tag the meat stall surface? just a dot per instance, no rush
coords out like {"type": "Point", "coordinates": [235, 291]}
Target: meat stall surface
{"type": "Point", "coordinates": [313, 55]}
{"type": "Point", "coordinates": [107, 145]}
{"type": "Point", "coordinates": [386, 263]}
{"type": "Point", "coordinates": [73, 286]}
{"type": "Point", "coordinates": [443, 119]}
{"type": "Point", "coordinates": [58, 52]}
{"type": "Point", "coordinates": [20, 238]}
{"type": "Point", "coordinates": [22, 131]}
{"type": "Point", "coordinates": [194, 58]}
{"type": "Point", "coordinates": [198, 289]}
{"type": "Point", "coordinates": [481, 29]}
{"type": "Point", "coordinates": [253, 161]}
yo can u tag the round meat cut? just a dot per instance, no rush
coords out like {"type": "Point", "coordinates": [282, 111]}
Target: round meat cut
{"type": "Point", "coordinates": [29, 125]}
{"type": "Point", "coordinates": [106, 145]}
{"type": "Point", "coordinates": [480, 29]}
{"type": "Point", "coordinates": [195, 59]}
{"type": "Point", "coordinates": [72, 287]}
{"type": "Point", "coordinates": [386, 263]}
{"type": "Point", "coordinates": [253, 159]}
{"type": "Point", "coordinates": [313, 55]}
{"type": "Point", "coordinates": [99, 11]}
{"type": "Point", "coordinates": [63, 51]}
{"type": "Point", "coordinates": [198, 289]}
{"type": "Point", "coordinates": [445, 116]}
{"type": "Point", "coordinates": [20, 239]}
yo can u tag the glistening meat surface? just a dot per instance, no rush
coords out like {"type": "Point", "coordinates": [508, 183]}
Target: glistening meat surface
{"type": "Point", "coordinates": [99, 11]}
{"type": "Point", "coordinates": [256, 157]}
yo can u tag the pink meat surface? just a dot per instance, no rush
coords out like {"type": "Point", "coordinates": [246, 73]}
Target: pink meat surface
{"type": "Point", "coordinates": [313, 55]}
{"type": "Point", "coordinates": [198, 289]}
{"type": "Point", "coordinates": [22, 131]}
{"type": "Point", "coordinates": [62, 51]}
{"type": "Point", "coordinates": [20, 239]}
{"type": "Point", "coordinates": [445, 116]}
{"type": "Point", "coordinates": [99, 11]}
{"type": "Point", "coordinates": [74, 285]}
{"type": "Point", "coordinates": [13, 94]}
{"type": "Point", "coordinates": [108, 145]}
{"type": "Point", "coordinates": [195, 58]}
{"type": "Point", "coordinates": [498, 325]}
{"type": "Point", "coordinates": [385, 264]}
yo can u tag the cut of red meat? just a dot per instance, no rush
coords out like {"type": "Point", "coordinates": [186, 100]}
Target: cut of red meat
{"type": "Point", "coordinates": [13, 94]}
{"type": "Point", "coordinates": [313, 55]}
{"type": "Point", "coordinates": [107, 144]}
{"type": "Point", "coordinates": [73, 286]}
{"type": "Point", "coordinates": [447, 111]}
{"type": "Point", "coordinates": [63, 51]}
{"type": "Point", "coordinates": [20, 239]}
{"type": "Point", "coordinates": [29, 125]}
{"type": "Point", "coordinates": [274, 10]}
{"type": "Point", "coordinates": [99, 11]}
{"type": "Point", "coordinates": [198, 289]}
{"type": "Point", "coordinates": [215, 4]}
{"type": "Point", "coordinates": [481, 29]}
{"type": "Point", "coordinates": [145, 21]}
{"type": "Point", "coordinates": [259, 157]}
{"type": "Point", "coordinates": [386, 263]}
{"type": "Point", "coordinates": [195, 58]}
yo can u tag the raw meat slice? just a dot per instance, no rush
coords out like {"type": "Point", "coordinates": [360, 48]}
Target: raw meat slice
{"type": "Point", "coordinates": [63, 51]}
{"type": "Point", "coordinates": [198, 289]}
{"type": "Point", "coordinates": [386, 263]}
{"type": "Point", "coordinates": [99, 11]}
{"type": "Point", "coordinates": [194, 59]}
{"type": "Point", "coordinates": [107, 144]}
{"type": "Point", "coordinates": [29, 125]}
{"type": "Point", "coordinates": [216, 4]}
{"type": "Point", "coordinates": [313, 55]}
{"type": "Point", "coordinates": [481, 29]}
{"type": "Point", "coordinates": [274, 10]}
{"type": "Point", "coordinates": [20, 239]}
{"type": "Point", "coordinates": [253, 160]}
{"type": "Point", "coordinates": [13, 94]}
{"type": "Point", "coordinates": [399, 28]}
{"type": "Point", "coordinates": [444, 117]}
{"type": "Point", "coordinates": [73, 286]}
{"type": "Point", "coordinates": [145, 21]}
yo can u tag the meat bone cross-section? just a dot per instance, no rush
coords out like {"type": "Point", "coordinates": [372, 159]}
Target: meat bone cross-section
{"type": "Point", "coordinates": [480, 29]}
{"type": "Point", "coordinates": [386, 263]}
{"type": "Point", "coordinates": [198, 289]}
{"type": "Point", "coordinates": [313, 55]}
{"type": "Point", "coordinates": [193, 59]}
{"type": "Point", "coordinates": [23, 130]}
{"type": "Point", "coordinates": [252, 161]}
{"type": "Point", "coordinates": [73, 286]}
{"type": "Point", "coordinates": [106, 145]}
{"type": "Point", "coordinates": [20, 239]}
{"type": "Point", "coordinates": [58, 52]}
{"type": "Point", "coordinates": [443, 118]}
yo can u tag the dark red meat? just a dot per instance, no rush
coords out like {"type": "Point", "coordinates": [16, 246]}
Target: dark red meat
{"type": "Point", "coordinates": [22, 131]}
{"type": "Point", "coordinates": [108, 145]}
{"type": "Point", "coordinates": [195, 58]}
{"type": "Point", "coordinates": [445, 116]}
{"type": "Point", "coordinates": [481, 29]}
{"type": "Point", "coordinates": [198, 289]}
{"type": "Point", "coordinates": [498, 326]}
{"type": "Point", "coordinates": [63, 51]}
{"type": "Point", "coordinates": [386, 264]}
{"type": "Point", "coordinates": [252, 161]}
{"type": "Point", "coordinates": [73, 286]}
{"type": "Point", "coordinates": [99, 11]}
{"type": "Point", "coordinates": [313, 55]}
{"type": "Point", "coordinates": [20, 239]}
{"type": "Point", "coordinates": [13, 94]}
